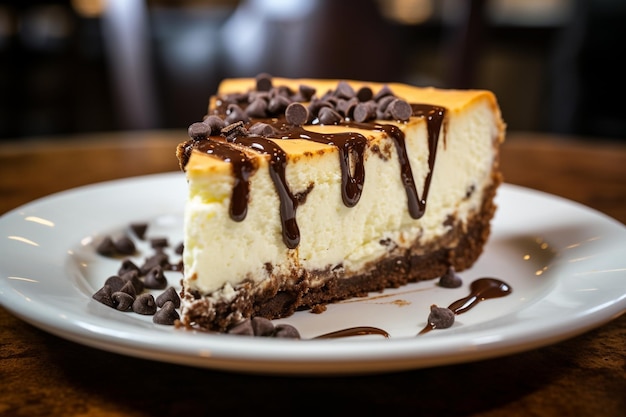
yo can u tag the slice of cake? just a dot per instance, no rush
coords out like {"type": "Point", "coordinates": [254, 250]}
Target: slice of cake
{"type": "Point", "coordinates": [305, 192]}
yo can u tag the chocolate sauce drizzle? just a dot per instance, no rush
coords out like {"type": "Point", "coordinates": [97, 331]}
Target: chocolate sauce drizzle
{"type": "Point", "coordinates": [351, 146]}
{"type": "Point", "coordinates": [243, 167]}
{"type": "Point", "coordinates": [480, 290]}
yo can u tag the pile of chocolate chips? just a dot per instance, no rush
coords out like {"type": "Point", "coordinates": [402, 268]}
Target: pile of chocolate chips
{"type": "Point", "coordinates": [125, 291]}
{"type": "Point", "coordinates": [236, 111]}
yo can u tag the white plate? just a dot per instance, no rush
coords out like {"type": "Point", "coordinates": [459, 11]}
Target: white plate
{"type": "Point", "coordinates": [566, 264]}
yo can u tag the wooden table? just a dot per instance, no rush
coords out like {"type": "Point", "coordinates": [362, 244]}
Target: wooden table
{"type": "Point", "coordinates": [41, 374]}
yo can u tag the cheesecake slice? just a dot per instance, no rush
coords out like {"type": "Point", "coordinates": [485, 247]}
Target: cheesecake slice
{"type": "Point", "coordinates": [304, 192]}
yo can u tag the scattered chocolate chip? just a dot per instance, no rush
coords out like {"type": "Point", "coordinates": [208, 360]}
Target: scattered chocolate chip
{"type": "Point", "coordinates": [128, 288]}
{"type": "Point", "coordinates": [144, 304]}
{"type": "Point", "coordinates": [179, 248]}
{"type": "Point", "coordinates": [127, 265]}
{"type": "Point", "coordinates": [440, 317]}
{"type": "Point", "coordinates": [296, 114]}
{"type": "Point", "coordinates": [261, 129]}
{"type": "Point", "coordinates": [258, 108]}
{"type": "Point", "coordinates": [263, 82]}
{"type": "Point", "coordinates": [122, 301]}
{"type": "Point", "coordinates": [133, 277]}
{"type": "Point", "coordinates": [344, 90]}
{"type": "Point", "coordinates": [364, 94]}
{"type": "Point", "coordinates": [400, 110]}
{"type": "Point", "coordinates": [139, 229]}
{"type": "Point", "coordinates": [124, 245]}
{"type": "Point", "coordinates": [316, 105]}
{"type": "Point", "coordinates": [103, 295]}
{"type": "Point", "coordinates": [450, 279]}
{"type": "Point", "coordinates": [278, 104]}
{"type": "Point", "coordinates": [169, 294]}
{"type": "Point", "coordinates": [328, 116]}
{"type": "Point", "coordinates": [243, 328]}
{"type": "Point", "coordinates": [306, 92]}
{"type": "Point", "coordinates": [384, 91]}
{"type": "Point", "coordinates": [286, 331]}
{"type": "Point", "coordinates": [106, 247]}
{"type": "Point", "coordinates": [365, 111]}
{"type": "Point", "coordinates": [159, 243]}
{"type": "Point", "coordinates": [262, 326]}
{"type": "Point", "coordinates": [115, 282]}
{"type": "Point", "coordinates": [346, 107]}
{"type": "Point", "coordinates": [234, 114]}
{"type": "Point", "coordinates": [167, 315]}
{"type": "Point", "coordinates": [383, 103]}
{"type": "Point", "coordinates": [199, 131]}
{"type": "Point", "coordinates": [155, 278]}
{"type": "Point", "coordinates": [158, 259]}
{"type": "Point", "coordinates": [215, 123]}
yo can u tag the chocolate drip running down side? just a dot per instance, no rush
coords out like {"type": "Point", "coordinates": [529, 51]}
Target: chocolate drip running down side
{"type": "Point", "coordinates": [351, 147]}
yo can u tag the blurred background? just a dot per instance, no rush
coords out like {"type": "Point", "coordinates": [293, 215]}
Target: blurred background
{"type": "Point", "coordinates": [76, 66]}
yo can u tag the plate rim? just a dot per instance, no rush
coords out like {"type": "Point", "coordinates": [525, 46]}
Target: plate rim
{"type": "Point", "coordinates": [338, 356]}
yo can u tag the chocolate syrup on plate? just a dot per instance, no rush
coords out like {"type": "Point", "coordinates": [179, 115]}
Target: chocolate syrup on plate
{"type": "Point", "coordinates": [480, 290]}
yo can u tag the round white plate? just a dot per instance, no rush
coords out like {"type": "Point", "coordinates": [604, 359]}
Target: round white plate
{"type": "Point", "coordinates": [565, 263]}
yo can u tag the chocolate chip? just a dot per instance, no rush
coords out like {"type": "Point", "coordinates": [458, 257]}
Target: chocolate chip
{"type": "Point", "coordinates": [103, 295]}
{"type": "Point", "coordinates": [155, 278]}
{"type": "Point", "coordinates": [133, 277]}
{"type": "Point", "coordinates": [235, 113]}
{"type": "Point", "coordinates": [128, 288]}
{"type": "Point", "coordinates": [440, 317]}
{"type": "Point", "coordinates": [316, 105]}
{"type": "Point", "coordinates": [328, 116]}
{"type": "Point", "coordinates": [139, 229]}
{"type": "Point", "coordinates": [243, 328]}
{"type": "Point", "coordinates": [115, 282]}
{"type": "Point", "coordinates": [199, 131]}
{"type": "Point", "coordinates": [364, 94]}
{"type": "Point", "coordinates": [215, 123]}
{"type": "Point", "coordinates": [307, 92]}
{"type": "Point", "coordinates": [106, 247]}
{"type": "Point", "coordinates": [169, 294]}
{"type": "Point", "coordinates": [450, 279]}
{"type": "Point", "coordinates": [384, 102]}
{"type": "Point", "coordinates": [364, 111]}
{"type": "Point", "coordinates": [286, 331]}
{"type": "Point", "coordinates": [144, 304]}
{"type": "Point", "coordinates": [400, 110]}
{"type": "Point", "coordinates": [124, 245]}
{"type": "Point", "coordinates": [122, 301]}
{"type": "Point", "coordinates": [127, 266]}
{"type": "Point", "coordinates": [263, 82]}
{"type": "Point", "coordinates": [179, 248]}
{"type": "Point", "coordinates": [258, 108]}
{"type": "Point", "coordinates": [346, 107]}
{"type": "Point", "coordinates": [344, 90]}
{"type": "Point", "coordinates": [261, 129]}
{"type": "Point", "coordinates": [262, 326]}
{"type": "Point", "coordinates": [296, 114]}
{"type": "Point", "coordinates": [158, 259]}
{"type": "Point", "coordinates": [159, 243]}
{"type": "Point", "coordinates": [384, 91]}
{"type": "Point", "coordinates": [167, 315]}
{"type": "Point", "coordinates": [278, 104]}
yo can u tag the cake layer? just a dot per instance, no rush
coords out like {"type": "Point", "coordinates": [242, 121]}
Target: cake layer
{"type": "Point", "coordinates": [312, 213]}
